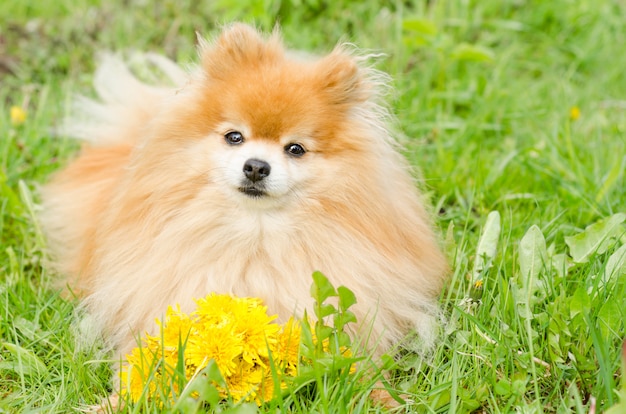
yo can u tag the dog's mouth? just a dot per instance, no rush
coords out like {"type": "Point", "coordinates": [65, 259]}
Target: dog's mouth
{"type": "Point", "coordinates": [253, 191]}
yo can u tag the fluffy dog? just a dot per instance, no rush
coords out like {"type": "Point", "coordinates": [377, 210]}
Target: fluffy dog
{"type": "Point", "coordinates": [243, 177]}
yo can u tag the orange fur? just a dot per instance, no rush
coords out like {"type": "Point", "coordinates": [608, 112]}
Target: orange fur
{"type": "Point", "coordinates": [149, 214]}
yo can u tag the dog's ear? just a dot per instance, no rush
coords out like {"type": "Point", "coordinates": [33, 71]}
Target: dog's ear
{"type": "Point", "coordinates": [341, 79]}
{"type": "Point", "coordinates": [239, 45]}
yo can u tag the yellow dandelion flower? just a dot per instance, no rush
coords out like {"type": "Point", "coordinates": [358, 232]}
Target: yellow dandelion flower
{"type": "Point", "coordinates": [245, 383]}
{"type": "Point", "coordinates": [286, 350]}
{"type": "Point", "coordinates": [265, 389]}
{"type": "Point", "coordinates": [179, 326]}
{"type": "Point", "coordinates": [478, 284]}
{"type": "Point", "coordinates": [221, 309]}
{"type": "Point", "coordinates": [574, 113]}
{"type": "Point", "coordinates": [257, 331]}
{"type": "Point", "coordinates": [217, 343]}
{"type": "Point", "coordinates": [136, 375]}
{"type": "Point", "coordinates": [18, 115]}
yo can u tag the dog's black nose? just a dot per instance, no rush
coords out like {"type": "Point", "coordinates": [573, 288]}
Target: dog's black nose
{"type": "Point", "coordinates": [256, 170]}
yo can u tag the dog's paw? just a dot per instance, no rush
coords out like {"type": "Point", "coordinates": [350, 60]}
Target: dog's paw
{"type": "Point", "coordinates": [381, 396]}
{"type": "Point", "coordinates": [109, 405]}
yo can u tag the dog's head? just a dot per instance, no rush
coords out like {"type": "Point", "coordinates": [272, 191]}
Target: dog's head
{"type": "Point", "coordinates": [269, 126]}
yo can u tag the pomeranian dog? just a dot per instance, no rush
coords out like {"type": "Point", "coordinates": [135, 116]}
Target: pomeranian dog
{"type": "Point", "coordinates": [243, 176]}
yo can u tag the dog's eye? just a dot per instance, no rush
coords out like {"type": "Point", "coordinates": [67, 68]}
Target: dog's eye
{"type": "Point", "coordinates": [234, 137]}
{"type": "Point", "coordinates": [295, 150]}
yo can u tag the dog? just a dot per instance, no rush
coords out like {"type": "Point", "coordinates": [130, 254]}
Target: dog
{"type": "Point", "coordinates": [243, 176]}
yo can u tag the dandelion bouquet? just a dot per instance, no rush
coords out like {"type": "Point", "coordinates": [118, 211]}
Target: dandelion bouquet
{"type": "Point", "coordinates": [256, 357]}
{"type": "Point", "coordinates": [236, 333]}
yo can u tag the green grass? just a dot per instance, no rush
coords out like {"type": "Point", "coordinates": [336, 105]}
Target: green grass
{"type": "Point", "coordinates": [484, 95]}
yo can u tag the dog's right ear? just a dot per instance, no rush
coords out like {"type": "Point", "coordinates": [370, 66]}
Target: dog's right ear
{"type": "Point", "coordinates": [340, 77]}
{"type": "Point", "coordinates": [239, 46]}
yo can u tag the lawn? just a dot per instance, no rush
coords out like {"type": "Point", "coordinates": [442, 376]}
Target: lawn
{"type": "Point", "coordinates": [514, 115]}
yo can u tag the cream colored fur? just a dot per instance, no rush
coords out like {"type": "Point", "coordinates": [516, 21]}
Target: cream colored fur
{"type": "Point", "coordinates": [147, 215]}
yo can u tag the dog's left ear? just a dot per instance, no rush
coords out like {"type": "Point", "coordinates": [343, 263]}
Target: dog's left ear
{"type": "Point", "coordinates": [238, 45]}
{"type": "Point", "coordinates": [341, 78]}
